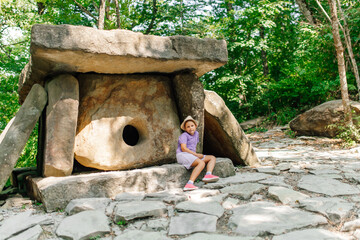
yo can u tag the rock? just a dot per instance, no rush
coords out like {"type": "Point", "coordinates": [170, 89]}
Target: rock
{"type": "Point", "coordinates": [353, 177]}
{"type": "Point", "coordinates": [268, 170]}
{"type": "Point", "coordinates": [230, 203]}
{"type": "Point", "coordinates": [122, 123]}
{"type": "Point", "coordinates": [85, 204]}
{"type": "Point", "coordinates": [325, 171]}
{"type": "Point", "coordinates": [351, 226]}
{"type": "Point", "coordinates": [189, 95]}
{"type": "Point", "coordinates": [286, 195]}
{"type": "Point", "coordinates": [165, 197]}
{"type": "Point", "coordinates": [261, 218]}
{"type": "Point", "coordinates": [238, 178]}
{"type": "Point", "coordinates": [327, 186]}
{"type": "Point", "coordinates": [315, 121]}
{"type": "Point", "coordinates": [16, 202]}
{"type": "Point", "coordinates": [137, 209]}
{"type": "Point", "coordinates": [211, 207]}
{"type": "Point", "coordinates": [61, 122]}
{"type": "Point", "coordinates": [84, 225]}
{"type": "Point", "coordinates": [57, 192]}
{"type": "Point", "coordinates": [244, 191]}
{"type": "Point", "coordinates": [30, 234]}
{"type": "Point", "coordinates": [223, 135]}
{"type": "Point", "coordinates": [201, 195]}
{"type": "Point", "coordinates": [311, 234]}
{"type": "Point", "coordinates": [210, 236]}
{"type": "Point", "coordinates": [18, 130]}
{"type": "Point", "coordinates": [129, 197]}
{"type": "Point", "coordinates": [252, 123]}
{"type": "Point", "coordinates": [141, 235]}
{"type": "Point", "coordinates": [67, 48]}
{"type": "Point", "coordinates": [357, 234]}
{"type": "Point", "coordinates": [283, 166]}
{"type": "Point", "coordinates": [187, 223]}
{"type": "Point", "coordinates": [21, 222]}
{"type": "Point", "coordinates": [276, 181]}
{"type": "Point", "coordinates": [156, 225]}
{"type": "Point", "coordinates": [336, 209]}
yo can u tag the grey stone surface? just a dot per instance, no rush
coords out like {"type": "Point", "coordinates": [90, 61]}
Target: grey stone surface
{"type": "Point", "coordinates": [18, 130]}
{"type": "Point", "coordinates": [21, 222]}
{"type": "Point", "coordinates": [137, 209]}
{"type": "Point", "coordinates": [336, 209]}
{"type": "Point", "coordinates": [85, 204]}
{"type": "Point", "coordinates": [156, 225]}
{"type": "Point", "coordinates": [286, 195]}
{"type": "Point", "coordinates": [61, 122]}
{"type": "Point", "coordinates": [187, 223]}
{"type": "Point", "coordinates": [327, 186]}
{"type": "Point", "coordinates": [211, 236]}
{"type": "Point", "coordinates": [230, 203]}
{"type": "Point", "coordinates": [311, 234]}
{"type": "Point", "coordinates": [259, 218]}
{"type": "Point", "coordinates": [244, 191]}
{"type": "Point", "coordinates": [266, 170]}
{"type": "Point", "coordinates": [208, 207]}
{"type": "Point", "coordinates": [275, 180]}
{"type": "Point", "coordinates": [84, 225]}
{"type": "Point", "coordinates": [238, 178]}
{"type": "Point", "coordinates": [141, 235]}
{"type": "Point", "coordinates": [29, 234]}
{"type": "Point", "coordinates": [351, 225]}
{"type": "Point", "coordinates": [125, 196]}
{"type": "Point", "coordinates": [325, 171]}
{"type": "Point", "coordinates": [66, 48]}
{"type": "Point", "coordinates": [166, 197]}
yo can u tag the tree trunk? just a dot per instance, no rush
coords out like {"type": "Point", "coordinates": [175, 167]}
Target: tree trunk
{"type": "Point", "coordinates": [304, 8]}
{"type": "Point", "coordinates": [117, 14]}
{"type": "Point", "coordinates": [101, 20]}
{"type": "Point", "coordinates": [154, 11]}
{"type": "Point", "coordinates": [341, 62]}
{"type": "Point", "coordinates": [263, 53]}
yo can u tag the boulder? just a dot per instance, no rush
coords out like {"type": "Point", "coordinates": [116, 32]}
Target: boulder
{"type": "Point", "coordinates": [126, 122]}
{"type": "Point", "coordinates": [223, 135]}
{"type": "Point", "coordinates": [66, 49]}
{"type": "Point", "coordinates": [315, 121]}
{"type": "Point", "coordinates": [252, 123]}
{"type": "Point", "coordinates": [61, 121]}
{"type": "Point", "coordinates": [18, 130]}
{"type": "Point", "coordinates": [189, 96]}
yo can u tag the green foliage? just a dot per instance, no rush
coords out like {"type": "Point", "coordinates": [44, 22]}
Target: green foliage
{"type": "Point", "coordinates": [349, 133]}
{"type": "Point", "coordinates": [290, 133]}
{"type": "Point", "coordinates": [256, 129]}
{"type": "Point", "coordinates": [122, 223]}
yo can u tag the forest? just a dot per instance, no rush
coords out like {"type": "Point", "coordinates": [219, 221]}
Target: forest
{"type": "Point", "coordinates": [283, 55]}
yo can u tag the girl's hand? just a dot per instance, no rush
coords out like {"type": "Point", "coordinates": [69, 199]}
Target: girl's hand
{"type": "Point", "coordinates": [199, 155]}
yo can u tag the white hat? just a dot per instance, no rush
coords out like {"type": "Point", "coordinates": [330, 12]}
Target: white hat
{"type": "Point", "coordinates": [188, 118]}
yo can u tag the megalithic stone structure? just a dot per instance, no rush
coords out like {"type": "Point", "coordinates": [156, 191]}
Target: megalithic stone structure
{"type": "Point", "coordinates": [18, 130]}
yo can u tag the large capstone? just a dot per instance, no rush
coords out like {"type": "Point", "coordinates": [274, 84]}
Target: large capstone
{"type": "Point", "coordinates": [126, 121]}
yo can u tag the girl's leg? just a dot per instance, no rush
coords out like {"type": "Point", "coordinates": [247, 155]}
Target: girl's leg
{"type": "Point", "coordinates": [198, 167]}
{"type": "Point", "coordinates": [210, 160]}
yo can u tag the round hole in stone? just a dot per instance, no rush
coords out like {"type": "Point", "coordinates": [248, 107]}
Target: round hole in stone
{"type": "Point", "coordinates": [130, 135]}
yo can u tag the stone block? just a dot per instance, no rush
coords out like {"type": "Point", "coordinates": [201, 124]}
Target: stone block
{"type": "Point", "coordinates": [66, 48]}
{"type": "Point", "coordinates": [61, 120]}
{"type": "Point", "coordinates": [56, 192]}
{"type": "Point", "coordinates": [126, 121]}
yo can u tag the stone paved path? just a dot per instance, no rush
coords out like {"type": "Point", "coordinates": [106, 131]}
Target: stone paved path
{"type": "Point", "coordinates": [307, 188]}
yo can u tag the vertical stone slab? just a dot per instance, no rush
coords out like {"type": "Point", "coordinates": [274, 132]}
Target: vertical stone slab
{"type": "Point", "coordinates": [189, 96]}
{"type": "Point", "coordinates": [18, 130]}
{"type": "Point", "coordinates": [61, 122]}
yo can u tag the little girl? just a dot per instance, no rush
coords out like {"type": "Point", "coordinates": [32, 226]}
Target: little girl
{"type": "Point", "coordinates": [186, 154]}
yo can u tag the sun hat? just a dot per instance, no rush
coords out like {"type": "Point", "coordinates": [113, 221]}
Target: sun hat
{"type": "Point", "coordinates": [188, 118]}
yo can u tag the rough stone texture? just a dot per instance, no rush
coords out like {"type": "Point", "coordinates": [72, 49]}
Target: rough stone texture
{"type": "Point", "coordinates": [244, 191]}
{"type": "Point", "coordinates": [286, 195]}
{"type": "Point", "coordinates": [209, 236]}
{"type": "Point", "coordinates": [85, 204]}
{"type": "Point", "coordinates": [66, 48]}
{"type": "Point", "coordinates": [57, 192]}
{"type": "Point", "coordinates": [259, 218]}
{"type": "Point", "coordinates": [111, 103]}
{"type": "Point", "coordinates": [137, 209]}
{"type": "Point", "coordinates": [223, 135]}
{"type": "Point", "coordinates": [30, 234]}
{"type": "Point", "coordinates": [189, 95]}
{"type": "Point", "coordinates": [314, 122]}
{"type": "Point", "coordinates": [211, 207]}
{"type": "Point", "coordinates": [61, 121]}
{"type": "Point", "coordinates": [141, 235]}
{"type": "Point", "coordinates": [186, 223]}
{"type": "Point", "coordinates": [275, 180]}
{"type": "Point", "coordinates": [311, 234]}
{"type": "Point", "coordinates": [129, 197]}
{"type": "Point", "coordinates": [238, 178]}
{"type": "Point", "coordinates": [351, 226]}
{"type": "Point", "coordinates": [327, 186]}
{"type": "Point", "coordinates": [335, 209]}
{"type": "Point", "coordinates": [18, 130]}
{"type": "Point", "coordinates": [268, 170]}
{"type": "Point", "coordinates": [84, 225]}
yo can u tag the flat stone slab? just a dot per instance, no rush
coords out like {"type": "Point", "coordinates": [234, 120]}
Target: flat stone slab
{"type": "Point", "coordinates": [211, 207]}
{"type": "Point", "coordinates": [142, 235]}
{"type": "Point", "coordinates": [312, 234]}
{"type": "Point", "coordinates": [30, 234]}
{"type": "Point", "coordinates": [286, 195]}
{"type": "Point", "coordinates": [275, 180]}
{"type": "Point", "coordinates": [244, 191]}
{"type": "Point", "coordinates": [67, 48]}
{"type": "Point", "coordinates": [333, 208]}
{"type": "Point", "coordinates": [259, 218]}
{"type": "Point", "coordinates": [187, 223]}
{"type": "Point", "coordinates": [238, 178]}
{"type": "Point", "coordinates": [85, 204]}
{"type": "Point", "coordinates": [271, 171]}
{"type": "Point", "coordinates": [327, 186]}
{"type": "Point", "coordinates": [56, 192]}
{"type": "Point", "coordinates": [210, 236]}
{"type": "Point", "coordinates": [139, 209]}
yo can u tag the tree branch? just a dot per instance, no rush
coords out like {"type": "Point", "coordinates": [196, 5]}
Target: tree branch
{"type": "Point", "coordinates": [323, 10]}
{"type": "Point", "coordinates": [151, 25]}
{"type": "Point", "coordinates": [85, 10]}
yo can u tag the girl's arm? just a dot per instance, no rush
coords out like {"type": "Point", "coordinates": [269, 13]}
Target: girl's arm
{"type": "Point", "coordinates": [185, 149]}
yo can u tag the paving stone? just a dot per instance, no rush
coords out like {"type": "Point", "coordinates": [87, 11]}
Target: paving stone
{"type": "Point", "coordinates": [30, 234]}
{"type": "Point", "coordinates": [286, 195]}
{"type": "Point", "coordinates": [187, 223]}
{"type": "Point", "coordinates": [325, 171]}
{"type": "Point", "coordinates": [21, 222]}
{"type": "Point", "coordinates": [199, 194]}
{"type": "Point", "coordinates": [271, 171]}
{"type": "Point", "coordinates": [230, 203]}
{"type": "Point", "coordinates": [335, 209]}
{"type": "Point", "coordinates": [276, 181]}
{"type": "Point", "coordinates": [238, 178]}
{"type": "Point", "coordinates": [312, 234]}
{"type": "Point", "coordinates": [156, 225]}
{"type": "Point", "coordinates": [259, 218]}
{"type": "Point", "coordinates": [136, 196]}
{"type": "Point", "coordinates": [357, 233]}
{"type": "Point", "coordinates": [210, 236]}
{"type": "Point", "coordinates": [84, 204]}
{"type": "Point", "coordinates": [218, 198]}
{"type": "Point", "coordinates": [354, 176]}
{"type": "Point", "coordinates": [283, 166]}
{"type": "Point", "coordinates": [351, 226]}
{"type": "Point", "coordinates": [296, 170]}
{"type": "Point", "coordinates": [211, 208]}
{"type": "Point", "coordinates": [245, 191]}
{"type": "Point", "coordinates": [165, 197]}
{"type": "Point", "coordinates": [327, 186]}
{"type": "Point", "coordinates": [84, 225]}
{"type": "Point", "coordinates": [141, 235]}
{"type": "Point", "coordinates": [139, 209]}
